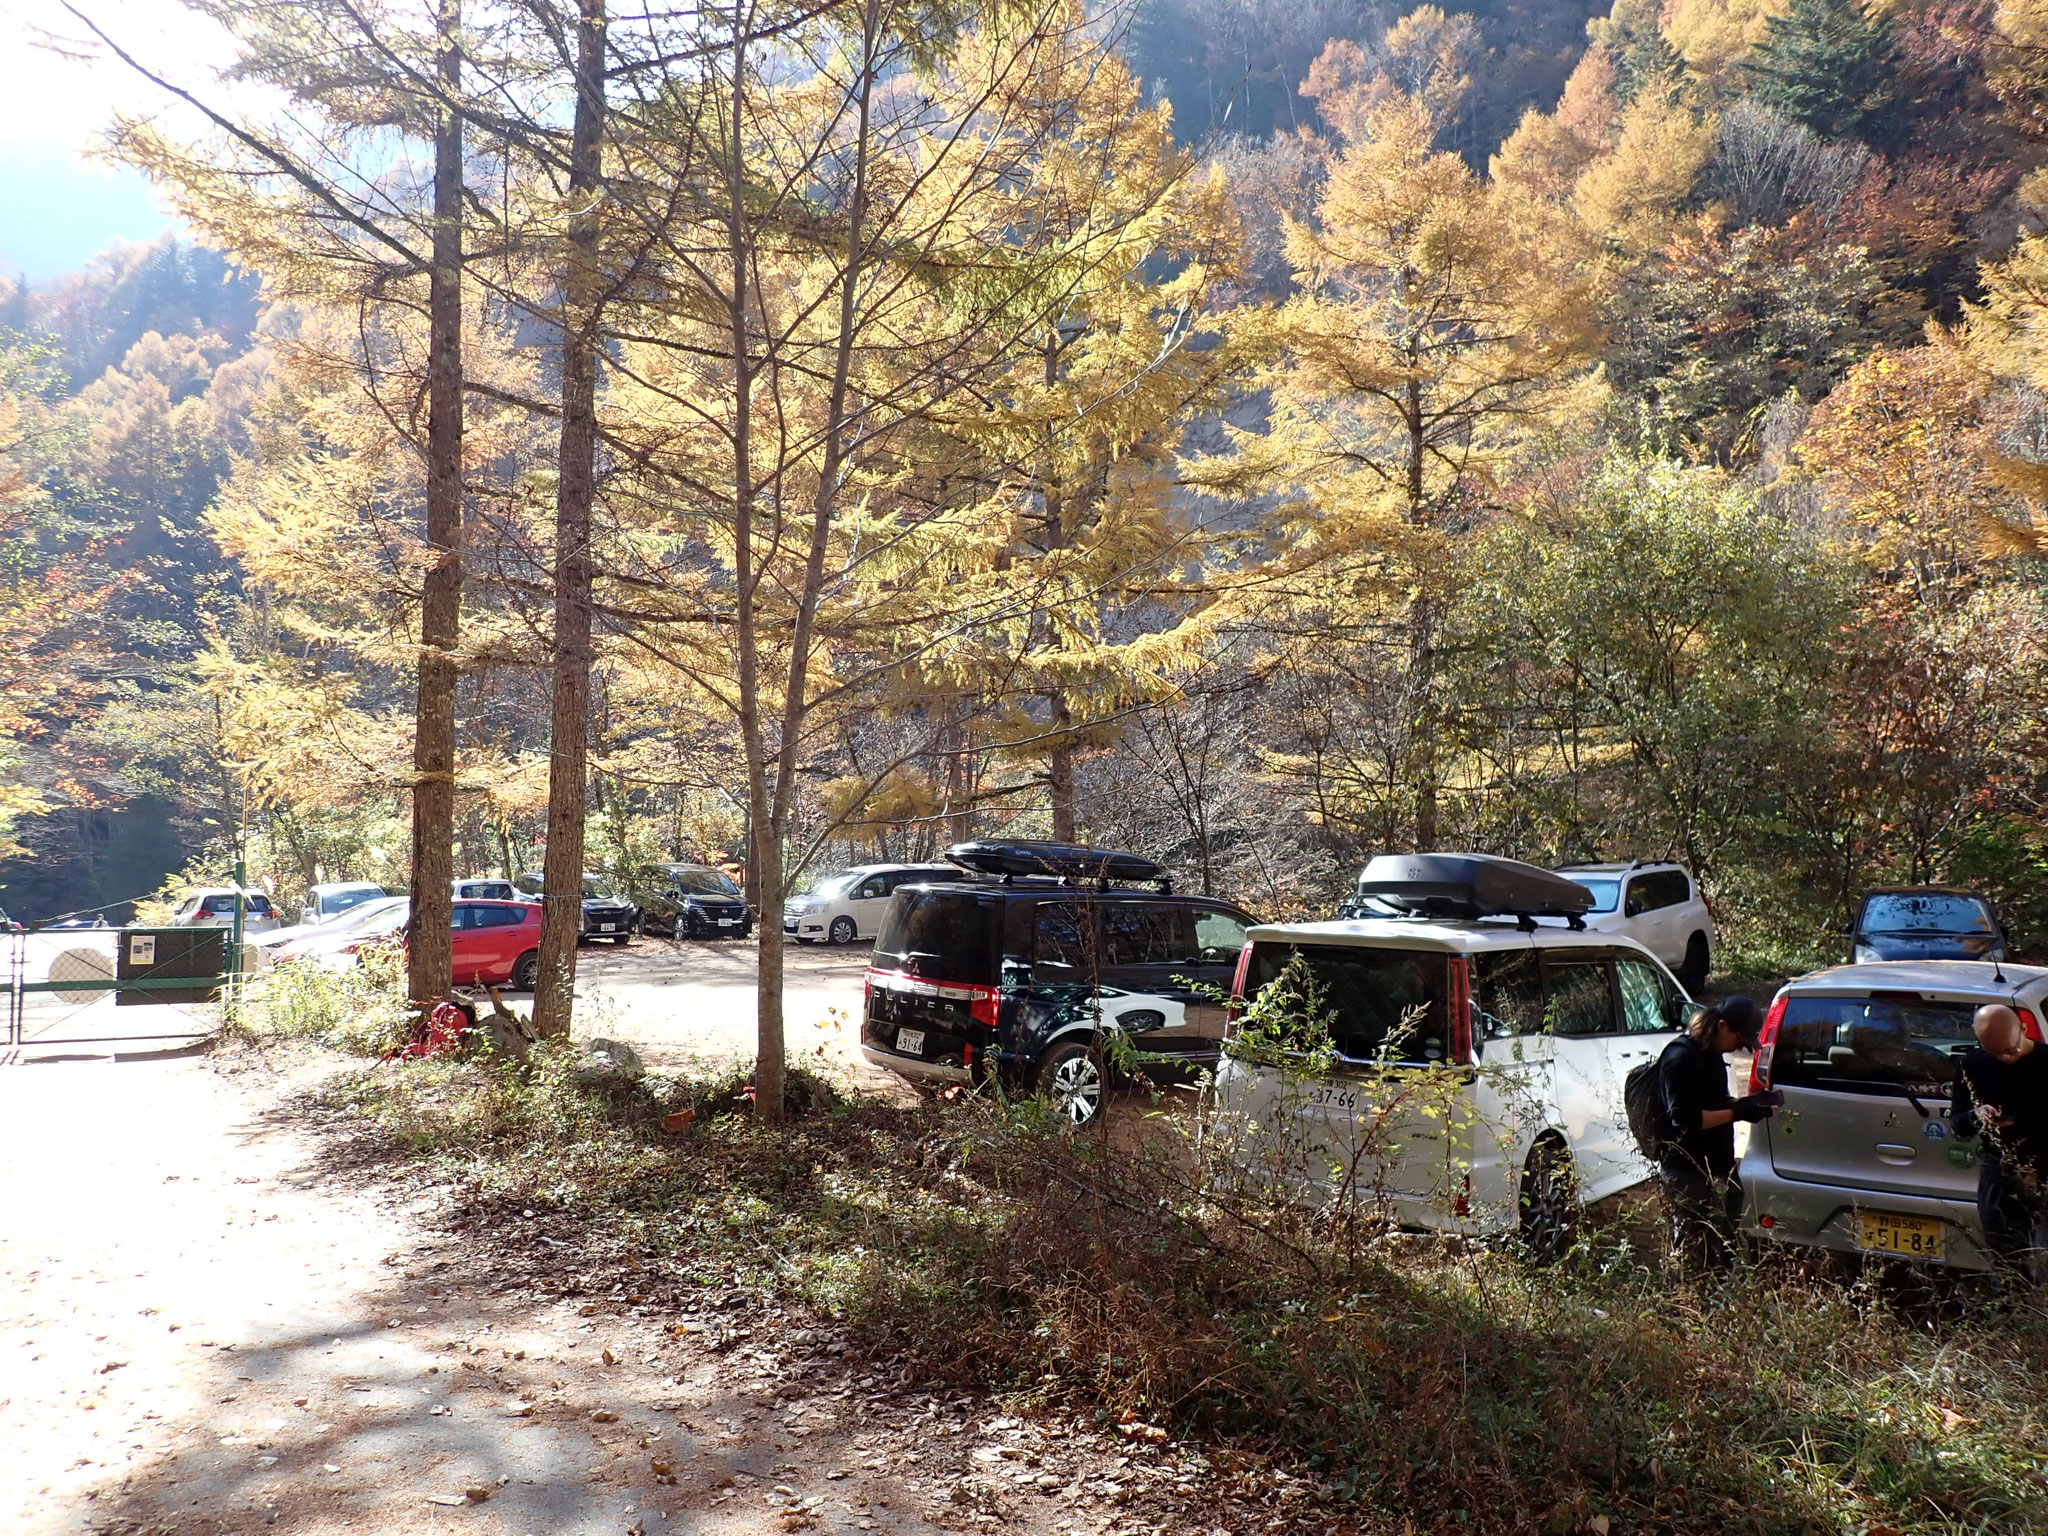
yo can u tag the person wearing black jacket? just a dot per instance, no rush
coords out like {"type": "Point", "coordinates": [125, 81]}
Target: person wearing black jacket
{"type": "Point", "coordinates": [1696, 1155]}
{"type": "Point", "coordinates": [2001, 1093]}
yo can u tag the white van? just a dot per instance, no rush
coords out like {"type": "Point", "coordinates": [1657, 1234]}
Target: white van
{"type": "Point", "coordinates": [851, 904]}
{"type": "Point", "coordinates": [1466, 1074]}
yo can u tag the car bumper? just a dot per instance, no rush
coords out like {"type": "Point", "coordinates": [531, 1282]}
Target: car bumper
{"type": "Point", "coordinates": [911, 1067]}
{"type": "Point", "coordinates": [1826, 1216]}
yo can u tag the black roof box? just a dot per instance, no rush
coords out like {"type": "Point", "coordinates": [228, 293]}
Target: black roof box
{"type": "Point", "coordinates": [1067, 861]}
{"type": "Point", "coordinates": [1471, 885]}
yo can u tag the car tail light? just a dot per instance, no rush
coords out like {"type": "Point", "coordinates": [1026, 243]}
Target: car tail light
{"type": "Point", "coordinates": [1461, 1011]}
{"type": "Point", "coordinates": [982, 1005]}
{"type": "Point", "coordinates": [1237, 983]}
{"type": "Point", "coordinates": [1461, 1203]}
{"type": "Point", "coordinates": [2029, 1023]}
{"type": "Point", "coordinates": [1766, 1046]}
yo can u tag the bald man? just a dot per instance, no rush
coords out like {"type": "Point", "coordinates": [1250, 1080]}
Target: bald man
{"type": "Point", "coordinates": [2001, 1092]}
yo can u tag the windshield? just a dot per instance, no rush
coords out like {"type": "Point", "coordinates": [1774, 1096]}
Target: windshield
{"type": "Point", "coordinates": [598, 888]}
{"type": "Point", "coordinates": [369, 912]}
{"type": "Point", "coordinates": [832, 885]}
{"type": "Point", "coordinates": [940, 935]}
{"type": "Point", "coordinates": [1871, 1043]}
{"type": "Point", "coordinates": [1606, 889]}
{"type": "Point", "coordinates": [1903, 913]}
{"type": "Point", "coordinates": [1380, 1004]}
{"type": "Point", "coordinates": [703, 882]}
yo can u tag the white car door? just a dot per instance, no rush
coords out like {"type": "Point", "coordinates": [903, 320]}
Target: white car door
{"type": "Point", "coordinates": [1583, 1015]}
{"type": "Point", "coordinates": [1509, 1101]}
{"type": "Point", "coordinates": [1652, 1013]}
{"type": "Point", "coordinates": [868, 902]}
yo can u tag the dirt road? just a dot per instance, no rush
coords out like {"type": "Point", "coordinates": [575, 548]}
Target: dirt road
{"type": "Point", "coordinates": [204, 1328]}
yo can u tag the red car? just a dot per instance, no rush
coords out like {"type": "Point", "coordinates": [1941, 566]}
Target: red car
{"type": "Point", "coordinates": [497, 942]}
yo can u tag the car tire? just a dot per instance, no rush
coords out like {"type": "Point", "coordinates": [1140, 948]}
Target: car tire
{"type": "Point", "coordinates": [526, 972]}
{"type": "Point", "coordinates": [843, 930]}
{"type": "Point", "coordinates": [1072, 1081]}
{"type": "Point", "coordinates": [1548, 1208]}
{"type": "Point", "coordinates": [1692, 975]}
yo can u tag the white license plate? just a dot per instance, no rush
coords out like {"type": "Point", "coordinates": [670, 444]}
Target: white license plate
{"type": "Point", "coordinates": [728, 922]}
{"type": "Point", "coordinates": [910, 1042]}
{"type": "Point", "coordinates": [607, 927]}
{"type": "Point", "coordinates": [1329, 1096]}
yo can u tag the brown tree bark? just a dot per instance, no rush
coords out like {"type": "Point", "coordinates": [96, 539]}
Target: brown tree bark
{"type": "Point", "coordinates": [430, 958]}
{"type": "Point", "coordinates": [575, 491]}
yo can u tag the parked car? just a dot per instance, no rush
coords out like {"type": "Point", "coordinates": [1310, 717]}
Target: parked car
{"type": "Point", "coordinates": [487, 889]}
{"type": "Point", "coordinates": [495, 943]}
{"type": "Point", "coordinates": [851, 904]}
{"type": "Point", "coordinates": [1863, 1158]}
{"type": "Point", "coordinates": [337, 944]}
{"type": "Point", "coordinates": [214, 907]}
{"type": "Point", "coordinates": [267, 947]}
{"type": "Point", "coordinates": [1657, 905]}
{"type": "Point", "coordinates": [326, 901]}
{"type": "Point", "coordinates": [1925, 922]}
{"type": "Point", "coordinates": [606, 914]}
{"type": "Point", "coordinates": [691, 901]}
{"type": "Point", "coordinates": [1029, 980]}
{"type": "Point", "coordinates": [1476, 1068]}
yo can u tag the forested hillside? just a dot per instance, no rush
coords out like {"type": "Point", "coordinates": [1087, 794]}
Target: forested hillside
{"type": "Point", "coordinates": [1333, 429]}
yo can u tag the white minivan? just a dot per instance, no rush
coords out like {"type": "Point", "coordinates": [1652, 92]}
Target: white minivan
{"type": "Point", "coordinates": [851, 904]}
{"type": "Point", "coordinates": [1460, 1073]}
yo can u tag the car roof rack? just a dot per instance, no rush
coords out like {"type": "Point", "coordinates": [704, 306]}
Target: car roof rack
{"type": "Point", "coordinates": [1033, 858]}
{"type": "Point", "coordinates": [1473, 885]}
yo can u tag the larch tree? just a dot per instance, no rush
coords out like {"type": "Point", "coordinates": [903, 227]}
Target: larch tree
{"type": "Point", "coordinates": [1431, 334]}
{"type": "Point", "coordinates": [876, 239]}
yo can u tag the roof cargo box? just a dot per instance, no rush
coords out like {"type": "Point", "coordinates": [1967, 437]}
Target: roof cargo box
{"type": "Point", "coordinates": [1471, 885]}
{"type": "Point", "coordinates": [1066, 861]}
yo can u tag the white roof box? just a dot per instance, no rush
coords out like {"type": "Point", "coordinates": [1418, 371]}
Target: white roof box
{"type": "Point", "coordinates": [1471, 885]}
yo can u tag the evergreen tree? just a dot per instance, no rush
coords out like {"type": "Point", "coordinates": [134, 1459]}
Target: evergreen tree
{"type": "Point", "coordinates": [1826, 65]}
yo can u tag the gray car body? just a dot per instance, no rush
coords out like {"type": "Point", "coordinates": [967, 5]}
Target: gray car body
{"type": "Point", "coordinates": [1828, 1155]}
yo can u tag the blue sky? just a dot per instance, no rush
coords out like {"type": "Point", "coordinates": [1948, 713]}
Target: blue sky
{"type": "Point", "coordinates": [56, 207]}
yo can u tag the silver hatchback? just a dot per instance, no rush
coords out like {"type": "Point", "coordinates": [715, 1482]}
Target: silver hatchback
{"type": "Point", "coordinates": [1862, 1157]}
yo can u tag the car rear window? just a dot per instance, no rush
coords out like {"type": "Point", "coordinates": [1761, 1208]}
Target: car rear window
{"type": "Point", "coordinates": [1379, 1003]}
{"type": "Point", "coordinates": [939, 935]}
{"type": "Point", "coordinates": [1871, 1043]}
{"type": "Point", "coordinates": [1905, 913]}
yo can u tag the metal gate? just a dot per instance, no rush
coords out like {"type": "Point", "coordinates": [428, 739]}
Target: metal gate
{"type": "Point", "coordinates": [65, 979]}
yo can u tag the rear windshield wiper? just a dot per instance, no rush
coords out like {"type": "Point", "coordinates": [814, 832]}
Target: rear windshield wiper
{"type": "Point", "coordinates": [1876, 1086]}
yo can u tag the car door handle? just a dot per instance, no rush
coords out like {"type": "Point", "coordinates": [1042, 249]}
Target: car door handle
{"type": "Point", "coordinates": [1893, 1152]}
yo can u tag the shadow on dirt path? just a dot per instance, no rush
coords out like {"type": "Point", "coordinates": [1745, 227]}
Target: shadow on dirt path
{"type": "Point", "coordinates": [208, 1328]}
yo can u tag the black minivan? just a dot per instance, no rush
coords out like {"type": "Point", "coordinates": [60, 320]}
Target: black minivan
{"type": "Point", "coordinates": [1025, 980]}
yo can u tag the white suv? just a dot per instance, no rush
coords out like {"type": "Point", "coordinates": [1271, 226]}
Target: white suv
{"type": "Point", "coordinates": [851, 904]}
{"type": "Point", "coordinates": [1657, 905]}
{"type": "Point", "coordinates": [1471, 1075]}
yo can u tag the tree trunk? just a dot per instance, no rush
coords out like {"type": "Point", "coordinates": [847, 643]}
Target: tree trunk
{"type": "Point", "coordinates": [575, 490]}
{"type": "Point", "coordinates": [1060, 765]}
{"type": "Point", "coordinates": [429, 960]}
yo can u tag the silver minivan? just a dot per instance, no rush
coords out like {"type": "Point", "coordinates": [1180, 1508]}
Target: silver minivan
{"type": "Point", "coordinates": [1862, 1158]}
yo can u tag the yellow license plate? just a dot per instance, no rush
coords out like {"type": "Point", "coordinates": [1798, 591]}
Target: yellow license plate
{"type": "Point", "coordinates": [1917, 1237]}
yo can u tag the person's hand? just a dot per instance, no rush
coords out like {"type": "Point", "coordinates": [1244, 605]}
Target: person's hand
{"type": "Point", "coordinates": [1993, 1116]}
{"type": "Point", "coordinates": [1754, 1107]}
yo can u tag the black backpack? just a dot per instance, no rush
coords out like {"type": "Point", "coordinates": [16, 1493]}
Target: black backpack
{"type": "Point", "coordinates": [1645, 1105]}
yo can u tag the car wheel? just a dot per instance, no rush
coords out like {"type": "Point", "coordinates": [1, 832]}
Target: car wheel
{"type": "Point", "coordinates": [526, 971]}
{"type": "Point", "coordinates": [843, 930]}
{"type": "Point", "coordinates": [1693, 974]}
{"type": "Point", "coordinates": [1549, 1204]}
{"type": "Point", "coordinates": [1071, 1080]}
